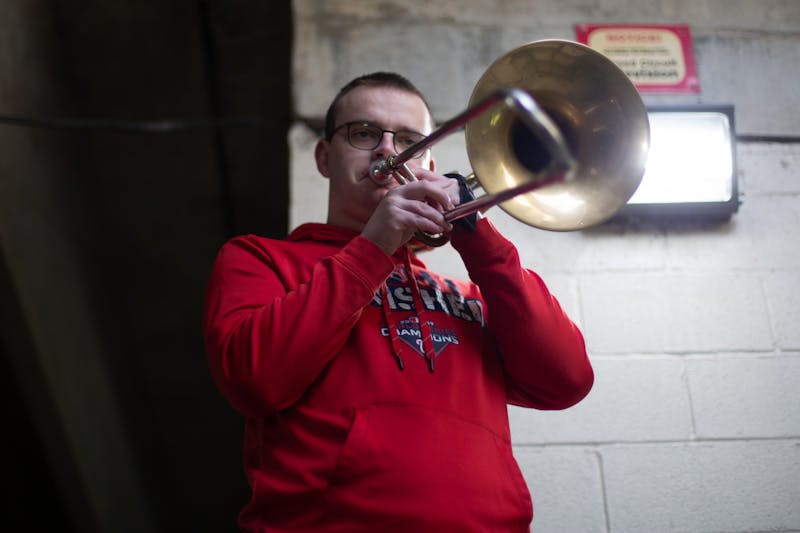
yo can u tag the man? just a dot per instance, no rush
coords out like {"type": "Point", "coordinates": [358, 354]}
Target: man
{"type": "Point", "coordinates": [375, 391]}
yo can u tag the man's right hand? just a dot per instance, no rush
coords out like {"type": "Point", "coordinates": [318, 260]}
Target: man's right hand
{"type": "Point", "coordinates": [416, 206]}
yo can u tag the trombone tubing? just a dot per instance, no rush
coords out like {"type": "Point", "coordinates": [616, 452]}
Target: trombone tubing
{"type": "Point", "coordinates": [521, 102]}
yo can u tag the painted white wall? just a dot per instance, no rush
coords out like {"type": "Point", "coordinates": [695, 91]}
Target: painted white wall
{"type": "Point", "coordinates": [694, 332]}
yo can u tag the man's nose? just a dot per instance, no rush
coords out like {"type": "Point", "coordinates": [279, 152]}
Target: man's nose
{"type": "Point", "coordinates": [386, 146]}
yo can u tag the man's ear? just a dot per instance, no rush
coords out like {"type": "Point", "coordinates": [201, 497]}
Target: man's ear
{"type": "Point", "coordinates": [321, 156]}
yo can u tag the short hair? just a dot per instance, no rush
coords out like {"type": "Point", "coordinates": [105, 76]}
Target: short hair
{"type": "Point", "coordinates": [376, 79]}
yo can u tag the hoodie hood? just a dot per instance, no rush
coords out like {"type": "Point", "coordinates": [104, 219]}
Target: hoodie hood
{"type": "Point", "coordinates": [322, 233]}
{"type": "Point", "coordinates": [338, 236]}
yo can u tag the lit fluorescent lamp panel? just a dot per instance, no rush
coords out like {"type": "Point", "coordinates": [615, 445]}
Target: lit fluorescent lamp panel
{"type": "Point", "coordinates": [691, 165]}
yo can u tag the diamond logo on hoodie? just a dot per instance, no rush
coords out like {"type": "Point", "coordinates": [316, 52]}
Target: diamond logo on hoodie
{"type": "Point", "coordinates": [409, 332]}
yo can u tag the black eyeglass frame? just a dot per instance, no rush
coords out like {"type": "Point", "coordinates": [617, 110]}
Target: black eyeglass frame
{"type": "Point", "coordinates": [399, 150]}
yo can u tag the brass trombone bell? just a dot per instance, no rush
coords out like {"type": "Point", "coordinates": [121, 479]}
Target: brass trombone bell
{"type": "Point", "coordinates": [599, 113]}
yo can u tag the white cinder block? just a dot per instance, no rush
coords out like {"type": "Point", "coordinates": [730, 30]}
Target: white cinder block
{"type": "Point", "coordinates": [768, 168]}
{"type": "Point", "coordinates": [652, 313]}
{"type": "Point", "coordinates": [603, 248]}
{"type": "Point", "coordinates": [774, 16]}
{"type": "Point", "coordinates": [720, 486]}
{"type": "Point", "coordinates": [608, 248]}
{"type": "Point", "coordinates": [767, 56]}
{"type": "Point", "coordinates": [308, 192]}
{"type": "Point", "coordinates": [783, 297]}
{"type": "Point", "coordinates": [763, 235]}
{"type": "Point", "coordinates": [332, 52]}
{"type": "Point", "coordinates": [745, 396]}
{"type": "Point", "coordinates": [314, 64]}
{"type": "Point", "coordinates": [633, 399]}
{"type": "Point", "coordinates": [566, 489]}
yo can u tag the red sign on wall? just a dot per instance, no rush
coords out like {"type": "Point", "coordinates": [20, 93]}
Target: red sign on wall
{"type": "Point", "coordinates": [657, 58]}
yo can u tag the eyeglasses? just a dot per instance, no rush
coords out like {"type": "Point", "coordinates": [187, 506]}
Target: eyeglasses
{"type": "Point", "coordinates": [366, 136]}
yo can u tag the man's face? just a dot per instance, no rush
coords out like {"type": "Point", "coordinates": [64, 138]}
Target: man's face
{"type": "Point", "coordinates": [353, 195]}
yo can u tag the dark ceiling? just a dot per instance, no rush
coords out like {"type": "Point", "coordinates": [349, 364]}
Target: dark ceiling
{"type": "Point", "coordinates": [170, 119]}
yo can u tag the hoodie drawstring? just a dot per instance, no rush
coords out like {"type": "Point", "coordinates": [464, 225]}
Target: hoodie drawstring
{"type": "Point", "coordinates": [428, 349]}
{"type": "Point", "coordinates": [397, 345]}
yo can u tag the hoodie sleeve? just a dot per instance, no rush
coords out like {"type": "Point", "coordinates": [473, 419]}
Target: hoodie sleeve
{"type": "Point", "coordinates": [543, 351]}
{"type": "Point", "coordinates": [268, 337]}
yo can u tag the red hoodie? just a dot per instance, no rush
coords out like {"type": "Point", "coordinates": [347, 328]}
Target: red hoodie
{"type": "Point", "coordinates": [375, 391]}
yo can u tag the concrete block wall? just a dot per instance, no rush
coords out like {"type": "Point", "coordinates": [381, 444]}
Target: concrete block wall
{"type": "Point", "coordinates": [694, 421]}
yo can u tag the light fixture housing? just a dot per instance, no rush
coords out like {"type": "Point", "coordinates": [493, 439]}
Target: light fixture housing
{"type": "Point", "coordinates": [691, 165]}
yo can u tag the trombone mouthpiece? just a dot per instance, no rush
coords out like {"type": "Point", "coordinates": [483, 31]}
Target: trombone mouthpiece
{"type": "Point", "coordinates": [380, 172]}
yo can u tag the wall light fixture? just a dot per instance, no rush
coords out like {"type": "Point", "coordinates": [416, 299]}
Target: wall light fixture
{"type": "Point", "coordinates": [691, 165]}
